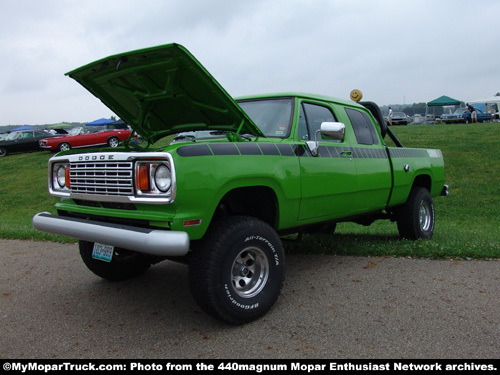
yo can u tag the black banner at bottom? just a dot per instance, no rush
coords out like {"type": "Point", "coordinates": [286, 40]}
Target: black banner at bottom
{"type": "Point", "coordinates": [246, 366]}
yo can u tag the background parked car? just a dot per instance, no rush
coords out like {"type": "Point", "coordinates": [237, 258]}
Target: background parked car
{"type": "Point", "coordinates": [399, 118]}
{"type": "Point", "coordinates": [86, 136]}
{"type": "Point", "coordinates": [21, 141]}
{"type": "Point", "coordinates": [455, 117]}
{"type": "Point", "coordinates": [417, 119]}
{"type": "Point", "coordinates": [481, 116]}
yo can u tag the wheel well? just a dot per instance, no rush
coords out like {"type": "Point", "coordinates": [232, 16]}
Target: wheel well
{"type": "Point", "coordinates": [423, 181]}
{"type": "Point", "coordinates": [255, 201]}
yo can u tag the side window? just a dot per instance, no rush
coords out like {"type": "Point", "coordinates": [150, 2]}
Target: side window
{"type": "Point", "coordinates": [363, 127]}
{"type": "Point", "coordinates": [311, 117]}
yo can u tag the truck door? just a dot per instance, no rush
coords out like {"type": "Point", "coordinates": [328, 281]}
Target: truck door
{"type": "Point", "coordinates": [372, 164]}
{"type": "Point", "coordinates": [328, 180]}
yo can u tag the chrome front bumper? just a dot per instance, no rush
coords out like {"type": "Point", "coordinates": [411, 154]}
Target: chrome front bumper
{"type": "Point", "coordinates": [143, 240]}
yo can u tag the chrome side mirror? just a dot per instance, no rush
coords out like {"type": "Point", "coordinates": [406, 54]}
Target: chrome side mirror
{"type": "Point", "coordinates": [331, 130]}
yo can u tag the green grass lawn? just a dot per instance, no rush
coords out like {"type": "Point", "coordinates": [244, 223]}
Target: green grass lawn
{"type": "Point", "coordinates": [467, 222]}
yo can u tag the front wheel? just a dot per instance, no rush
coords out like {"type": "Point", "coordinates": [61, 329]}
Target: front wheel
{"type": "Point", "coordinates": [237, 271]}
{"type": "Point", "coordinates": [3, 151]}
{"type": "Point", "coordinates": [64, 147]}
{"type": "Point", "coordinates": [416, 217]}
{"type": "Point", "coordinates": [125, 264]}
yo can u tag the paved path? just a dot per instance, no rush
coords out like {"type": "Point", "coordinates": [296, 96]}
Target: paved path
{"type": "Point", "coordinates": [332, 307]}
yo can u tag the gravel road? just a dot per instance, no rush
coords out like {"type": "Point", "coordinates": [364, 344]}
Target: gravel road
{"type": "Point", "coordinates": [331, 307]}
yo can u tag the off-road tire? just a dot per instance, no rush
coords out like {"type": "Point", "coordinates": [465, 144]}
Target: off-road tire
{"type": "Point", "coordinates": [416, 218]}
{"type": "Point", "coordinates": [236, 272]}
{"type": "Point", "coordinates": [124, 265]}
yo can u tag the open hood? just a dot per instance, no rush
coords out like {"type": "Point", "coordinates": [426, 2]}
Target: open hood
{"type": "Point", "coordinates": [163, 90]}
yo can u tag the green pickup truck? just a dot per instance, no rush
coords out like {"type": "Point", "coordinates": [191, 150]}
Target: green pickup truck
{"type": "Point", "coordinates": [240, 174]}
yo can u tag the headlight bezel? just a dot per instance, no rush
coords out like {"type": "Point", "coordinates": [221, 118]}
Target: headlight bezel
{"type": "Point", "coordinates": [147, 179]}
{"type": "Point", "coordinates": [59, 178]}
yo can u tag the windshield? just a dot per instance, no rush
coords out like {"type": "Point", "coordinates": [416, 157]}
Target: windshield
{"type": "Point", "coordinates": [76, 131]}
{"type": "Point", "coordinates": [460, 111]}
{"type": "Point", "coordinates": [272, 116]}
{"type": "Point", "coordinates": [14, 135]}
{"type": "Point", "coordinates": [93, 129]}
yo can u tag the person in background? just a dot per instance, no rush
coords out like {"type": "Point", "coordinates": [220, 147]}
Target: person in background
{"type": "Point", "coordinates": [389, 116]}
{"type": "Point", "coordinates": [494, 115]}
{"type": "Point", "coordinates": [473, 114]}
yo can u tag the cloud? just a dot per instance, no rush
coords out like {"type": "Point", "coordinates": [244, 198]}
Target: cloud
{"type": "Point", "coordinates": [393, 51]}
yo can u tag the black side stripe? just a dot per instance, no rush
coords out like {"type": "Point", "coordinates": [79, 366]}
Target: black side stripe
{"type": "Point", "coordinates": [269, 149]}
{"type": "Point", "coordinates": [295, 150]}
{"type": "Point", "coordinates": [285, 149]}
{"type": "Point", "coordinates": [408, 153]}
{"type": "Point", "coordinates": [333, 152]}
{"type": "Point", "coordinates": [194, 150]}
{"type": "Point", "coordinates": [249, 149]}
{"type": "Point", "coordinates": [224, 149]}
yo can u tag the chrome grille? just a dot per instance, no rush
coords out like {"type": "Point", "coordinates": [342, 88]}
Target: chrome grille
{"type": "Point", "coordinates": [102, 178]}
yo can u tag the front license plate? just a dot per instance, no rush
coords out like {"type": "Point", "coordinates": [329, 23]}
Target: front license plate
{"type": "Point", "coordinates": [103, 252]}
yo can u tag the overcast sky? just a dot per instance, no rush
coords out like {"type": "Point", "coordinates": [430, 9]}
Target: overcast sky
{"type": "Point", "coordinates": [394, 51]}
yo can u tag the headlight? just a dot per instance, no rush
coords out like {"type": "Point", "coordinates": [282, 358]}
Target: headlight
{"type": "Point", "coordinates": [163, 178]}
{"type": "Point", "coordinates": [61, 176]}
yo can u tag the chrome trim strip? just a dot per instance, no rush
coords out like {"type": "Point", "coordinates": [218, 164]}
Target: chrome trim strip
{"type": "Point", "coordinates": [143, 240]}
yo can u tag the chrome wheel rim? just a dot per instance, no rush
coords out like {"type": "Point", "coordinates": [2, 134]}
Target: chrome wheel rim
{"type": "Point", "coordinates": [250, 272]}
{"type": "Point", "coordinates": [425, 216]}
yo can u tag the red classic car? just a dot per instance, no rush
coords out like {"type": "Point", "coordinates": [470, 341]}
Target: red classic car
{"type": "Point", "coordinates": [84, 137]}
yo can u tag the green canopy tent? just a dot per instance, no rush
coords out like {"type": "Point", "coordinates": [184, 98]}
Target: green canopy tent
{"type": "Point", "coordinates": [439, 102]}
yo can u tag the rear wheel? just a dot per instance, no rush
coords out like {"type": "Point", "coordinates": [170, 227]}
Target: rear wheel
{"type": "Point", "coordinates": [113, 142]}
{"type": "Point", "coordinates": [237, 271]}
{"type": "Point", "coordinates": [3, 151]}
{"type": "Point", "coordinates": [415, 218]}
{"type": "Point", "coordinates": [124, 265]}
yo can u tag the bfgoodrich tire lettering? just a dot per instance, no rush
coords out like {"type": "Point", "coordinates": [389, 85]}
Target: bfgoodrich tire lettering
{"type": "Point", "coordinates": [237, 271]}
{"type": "Point", "coordinates": [124, 265]}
